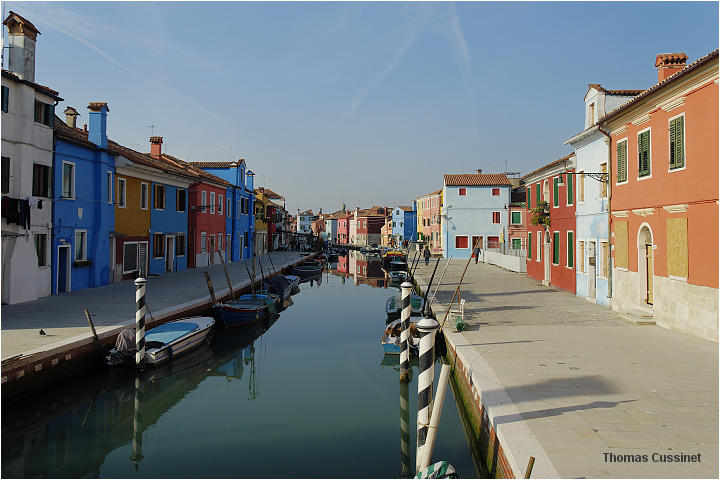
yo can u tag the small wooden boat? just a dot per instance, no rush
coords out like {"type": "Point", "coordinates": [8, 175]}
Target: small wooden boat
{"type": "Point", "coordinates": [246, 309]}
{"type": "Point", "coordinates": [398, 266]}
{"type": "Point", "coordinates": [307, 271]}
{"type": "Point", "coordinates": [162, 343]}
{"type": "Point", "coordinates": [391, 337]}
{"type": "Point", "coordinates": [294, 280]}
{"type": "Point", "coordinates": [393, 306]}
{"type": "Point", "coordinates": [397, 276]}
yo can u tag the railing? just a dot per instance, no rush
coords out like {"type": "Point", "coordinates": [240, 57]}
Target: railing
{"type": "Point", "coordinates": [506, 249]}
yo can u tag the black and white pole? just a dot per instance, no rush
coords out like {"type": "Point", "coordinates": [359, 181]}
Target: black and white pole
{"type": "Point", "coordinates": [137, 423]}
{"type": "Point", "coordinates": [405, 313]}
{"type": "Point", "coordinates": [140, 310]}
{"type": "Point", "coordinates": [405, 430]}
{"type": "Point", "coordinates": [426, 362]}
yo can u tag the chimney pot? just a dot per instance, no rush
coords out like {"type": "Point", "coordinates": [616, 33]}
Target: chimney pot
{"type": "Point", "coordinates": [21, 36]}
{"type": "Point", "coordinates": [156, 147]}
{"type": "Point", "coordinates": [479, 171]}
{"type": "Point", "coordinates": [98, 123]}
{"type": "Point", "coordinates": [669, 64]}
{"type": "Point", "coordinates": [71, 117]}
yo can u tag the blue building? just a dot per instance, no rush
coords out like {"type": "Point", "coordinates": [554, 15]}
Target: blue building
{"type": "Point", "coordinates": [83, 204]}
{"type": "Point", "coordinates": [240, 217]}
{"type": "Point", "coordinates": [475, 211]}
{"type": "Point", "coordinates": [404, 223]}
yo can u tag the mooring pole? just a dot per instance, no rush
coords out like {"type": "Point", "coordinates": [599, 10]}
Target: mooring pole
{"type": "Point", "coordinates": [405, 430]}
{"type": "Point", "coordinates": [405, 314]}
{"type": "Point", "coordinates": [137, 423]}
{"type": "Point", "coordinates": [435, 417]}
{"type": "Point", "coordinates": [140, 310]}
{"type": "Point", "coordinates": [210, 287]}
{"type": "Point", "coordinates": [227, 276]}
{"type": "Point", "coordinates": [427, 328]}
{"type": "Point", "coordinates": [432, 277]}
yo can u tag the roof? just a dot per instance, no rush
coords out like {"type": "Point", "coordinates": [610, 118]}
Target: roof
{"type": "Point", "coordinates": [406, 209]}
{"type": "Point", "coordinates": [22, 22]}
{"type": "Point", "coordinates": [307, 212]}
{"type": "Point", "coordinates": [548, 166]}
{"type": "Point", "coordinates": [672, 78]}
{"type": "Point", "coordinates": [270, 193]}
{"type": "Point", "coordinates": [40, 88]}
{"type": "Point", "coordinates": [438, 192]}
{"type": "Point", "coordinates": [218, 164]}
{"type": "Point", "coordinates": [477, 180]}
{"type": "Point", "coordinates": [623, 93]}
{"type": "Point", "coordinates": [193, 170]}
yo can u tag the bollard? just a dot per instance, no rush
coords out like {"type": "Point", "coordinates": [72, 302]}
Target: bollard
{"type": "Point", "coordinates": [140, 322]}
{"type": "Point", "coordinates": [405, 430]}
{"type": "Point", "coordinates": [405, 313]}
{"type": "Point", "coordinates": [427, 328]}
{"type": "Point", "coordinates": [137, 424]}
{"type": "Point", "coordinates": [435, 417]}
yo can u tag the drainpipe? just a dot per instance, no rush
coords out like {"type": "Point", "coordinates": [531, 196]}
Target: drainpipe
{"type": "Point", "coordinates": [610, 270]}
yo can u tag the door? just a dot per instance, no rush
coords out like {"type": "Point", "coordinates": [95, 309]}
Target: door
{"type": "Point", "coordinates": [63, 282]}
{"type": "Point", "coordinates": [241, 239]}
{"type": "Point", "coordinates": [142, 259]}
{"type": "Point", "coordinates": [211, 249]}
{"type": "Point", "coordinates": [592, 269]}
{"type": "Point", "coordinates": [112, 259]}
{"type": "Point", "coordinates": [650, 266]}
{"type": "Point", "coordinates": [546, 259]}
{"type": "Point", "coordinates": [169, 253]}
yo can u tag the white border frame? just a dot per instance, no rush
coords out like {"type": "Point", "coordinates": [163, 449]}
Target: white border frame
{"type": "Point", "coordinates": [147, 195]}
{"type": "Point", "coordinates": [68, 272]}
{"type": "Point", "coordinates": [212, 203]}
{"type": "Point", "coordinates": [203, 201]}
{"type": "Point", "coordinates": [62, 180]}
{"type": "Point", "coordinates": [580, 256]}
{"type": "Point", "coordinates": [627, 162]}
{"type": "Point", "coordinates": [492, 220]}
{"type": "Point", "coordinates": [552, 194]}
{"type": "Point", "coordinates": [164, 196]}
{"type": "Point", "coordinates": [581, 175]}
{"type": "Point", "coordinates": [118, 190]}
{"type": "Point", "coordinates": [637, 134]}
{"type": "Point", "coordinates": [455, 237]}
{"type": "Point", "coordinates": [137, 257]}
{"type": "Point", "coordinates": [221, 205]}
{"type": "Point", "coordinates": [152, 239]}
{"type": "Point", "coordinates": [538, 247]}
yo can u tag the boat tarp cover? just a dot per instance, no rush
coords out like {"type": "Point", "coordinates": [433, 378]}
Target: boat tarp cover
{"type": "Point", "coordinates": [125, 342]}
{"type": "Point", "coordinates": [277, 285]}
{"type": "Point", "coordinates": [170, 331]}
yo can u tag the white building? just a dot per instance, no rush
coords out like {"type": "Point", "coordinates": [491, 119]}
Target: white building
{"type": "Point", "coordinates": [304, 220]}
{"type": "Point", "coordinates": [28, 112]}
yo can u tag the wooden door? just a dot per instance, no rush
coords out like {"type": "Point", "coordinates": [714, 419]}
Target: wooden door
{"type": "Point", "coordinates": [650, 268]}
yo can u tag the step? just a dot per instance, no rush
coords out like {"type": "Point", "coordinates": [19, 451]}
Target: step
{"type": "Point", "coordinates": [638, 316]}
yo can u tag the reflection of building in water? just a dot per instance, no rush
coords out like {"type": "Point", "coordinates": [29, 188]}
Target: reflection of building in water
{"type": "Point", "coordinates": [368, 270]}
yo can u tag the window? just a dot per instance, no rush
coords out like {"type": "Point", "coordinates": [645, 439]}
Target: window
{"type": "Point", "coordinates": [556, 248]}
{"type": "Point", "coordinates": [212, 202]}
{"type": "Point", "coordinates": [604, 186]}
{"type": "Point", "coordinates": [496, 192]}
{"type": "Point", "coordinates": [240, 206]}
{"type": "Point", "coordinates": [591, 114]}
{"type": "Point", "coordinates": [179, 244]}
{"type": "Point", "coordinates": [517, 243]}
{"type": "Point", "coordinates": [41, 249]}
{"type": "Point", "coordinates": [5, 175]}
{"type": "Point", "coordinates": [570, 254]}
{"type": "Point", "coordinates": [41, 180]}
{"type": "Point", "coordinates": [677, 142]}
{"type": "Point", "coordinates": [221, 202]}
{"type": "Point", "coordinates": [144, 195]}
{"type": "Point", "coordinates": [603, 259]}
{"type": "Point", "coordinates": [622, 161]}
{"type": "Point", "coordinates": [644, 153]}
{"type": "Point", "coordinates": [109, 187]}
{"type": "Point", "coordinates": [495, 217]}
{"type": "Point", "coordinates": [537, 194]}
{"type": "Point", "coordinates": [180, 200]}
{"type": "Point", "coordinates": [158, 245]}
{"type": "Point", "coordinates": [159, 197]}
{"type": "Point", "coordinates": [461, 241]}
{"type": "Point", "coordinates": [528, 198]}
{"type": "Point", "coordinates": [462, 192]}
{"type": "Point", "coordinates": [121, 193]}
{"type": "Point", "coordinates": [556, 191]}
{"type": "Point", "coordinates": [570, 193]}
{"type": "Point", "coordinates": [203, 204]}
{"type": "Point", "coordinates": [203, 242]}
{"type": "Point", "coordinates": [581, 256]}
{"type": "Point", "coordinates": [228, 243]}
{"type": "Point", "coordinates": [44, 113]}
{"type": "Point", "coordinates": [229, 207]}
{"type": "Point", "coordinates": [80, 245]}
{"type": "Point", "coordinates": [68, 180]}
{"type": "Point", "coordinates": [5, 98]}
{"type": "Point", "coordinates": [130, 257]}
{"type": "Point", "coordinates": [581, 188]}
{"type": "Point", "coordinates": [538, 247]}
{"type": "Point", "coordinates": [529, 245]}
{"type": "Point", "coordinates": [516, 218]}
{"type": "Point", "coordinates": [220, 238]}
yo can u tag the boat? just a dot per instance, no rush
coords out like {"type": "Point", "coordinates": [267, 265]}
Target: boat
{"type": "Point", "coordinates": [391, 255]}
{"type": "Point", "coordinates": [294, 280]}
{"type": "Point", "coordinates": [397, 266]}
{"type": "Point", "coordinates": [281, 285]}
{"type": "Point", "coordinates": [393, 306]}
{"type": "Point", "coordinates": [162, 343]}
{"type": "Point", "coordinates": [307, 271]}
{"type": "Point", "coordinates": [391, 337]}
{"type": "Point", "coordinates": [397, 276]}
{"type": "Point", "coordinates": [246, 309]}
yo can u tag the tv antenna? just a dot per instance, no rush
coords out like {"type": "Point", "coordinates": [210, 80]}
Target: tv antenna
{"type": "Point", "coordinates": [152, 130]}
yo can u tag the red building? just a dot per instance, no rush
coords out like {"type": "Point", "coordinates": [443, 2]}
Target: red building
{"type": "Point", "coordinates": [343, 228]}
{"type": "Point", "coordinates": [551, 249]}
{"type": "Point", "coordinates": [369, 225]}
{"type": "Point", "coordinates": [342, 265]}
{"type": "Point", "coordinates": [517, 230]}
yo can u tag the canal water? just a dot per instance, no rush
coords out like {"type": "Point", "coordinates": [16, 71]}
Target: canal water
{"type": "Point", "coordinates": [308, 394]}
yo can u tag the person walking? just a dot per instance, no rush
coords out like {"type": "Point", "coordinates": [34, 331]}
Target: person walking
{"type": "Point", "coordinates": [476, 252]}
{"type": "Point", "coordinates": [426, 254]}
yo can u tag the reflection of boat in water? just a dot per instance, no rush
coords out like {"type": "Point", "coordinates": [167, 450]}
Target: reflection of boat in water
{"type": "Point", "coordinates": [307, 271]}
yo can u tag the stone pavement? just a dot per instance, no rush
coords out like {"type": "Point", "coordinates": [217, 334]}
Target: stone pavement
{"type": "Point", "coordinates": [61, 316]}
{"type": "Point", "coordinates": [568, 382]}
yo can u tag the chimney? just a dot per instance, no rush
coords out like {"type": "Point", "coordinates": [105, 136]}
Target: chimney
{"type": "Point", "coordinates": [479, 171]}
{"type": "Point", "coordinates": [669, 63]}
{"type": "Point", "coordinates": [22, 35]}
{"type": "Point", "coordinates": [156, 147]}
{"type": "Point", "coordinates": [98, 123]}
{"type": "Point", "coordinates": [71, 117]}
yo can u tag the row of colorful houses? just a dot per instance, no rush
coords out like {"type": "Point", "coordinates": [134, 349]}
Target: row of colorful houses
{"type": "Point", "coordinates": [80, 210]}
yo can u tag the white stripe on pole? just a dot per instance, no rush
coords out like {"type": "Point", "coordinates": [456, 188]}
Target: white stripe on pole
{"type": "Point", "coordinates": [140, 321]}
{"type": "Point", "coordinates": [427, 328]}
{"type": "Point", "coordinates": [404, 430]}
{"type": "Point", "coordinates": [435, 417]}
{"type": "Point", "coordinates": [405, 314]}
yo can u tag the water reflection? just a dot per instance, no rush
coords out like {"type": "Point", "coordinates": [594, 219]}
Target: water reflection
{"type": "Point", "coordinates": [364, 268]}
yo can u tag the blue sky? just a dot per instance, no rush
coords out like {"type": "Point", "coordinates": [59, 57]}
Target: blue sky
{"type": "Point", "coordinates": [356, 103]}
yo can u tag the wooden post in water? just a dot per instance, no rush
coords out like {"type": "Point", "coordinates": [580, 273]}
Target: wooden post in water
{"type": "Point", "coordinates": [426, 362]}
{"type": "Point", "coordinates": [227, 276]}
{"type": "Point", "coordinates": [137, 423]}
{"type": "Point", "coordinates": [210, 287]}
{"type": "Point", "coordinates": [92, 327]}
{"type": "Point", "coordinates": [528, 471]}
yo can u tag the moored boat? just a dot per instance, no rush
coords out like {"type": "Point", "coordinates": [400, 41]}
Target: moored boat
{"type": "Point", "coordinates": [307, 271]}
{"type": "Point", "coordinates": [245, 309]}
{"type": "Point", "coordinates": [391, 337]}
{"type": "Point", "coordinates": [393, 306]}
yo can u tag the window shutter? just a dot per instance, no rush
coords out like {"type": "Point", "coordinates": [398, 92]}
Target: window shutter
{"type": "Point", "coordinates": [556, 192]}
{"type": "Point", "coordinates": [5, 98]}
{"type": "Point", "coordinates": [644, 153]}
{"type": "Point", "coordinates": [621, 163]}
{"type": "Point", "coordinates": [570, 252]}
{"type": "Point", "coordinates": [529, 245]}
{"type": "Point", "coordinates": [672, 144]}
{"type": "Point", "coordinates": [556, 247]}
{"type": "Point", "coordinates": [537, 194]}
{"type": "Point", "coordinates": [528, 198]}
{"type": "Point", "coordinates": [570, 193]}
{"type": "Point", "coordinates": [679, 142]}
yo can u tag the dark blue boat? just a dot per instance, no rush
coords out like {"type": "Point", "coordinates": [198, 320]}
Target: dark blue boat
{"type": "Point", "coordinates": [245, 309]}
{"type": "Point", "coordinates": [307, 271]}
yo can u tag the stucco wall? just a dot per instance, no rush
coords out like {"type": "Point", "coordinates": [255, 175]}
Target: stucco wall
{"type": "Point", "coordinates": [508, 262]}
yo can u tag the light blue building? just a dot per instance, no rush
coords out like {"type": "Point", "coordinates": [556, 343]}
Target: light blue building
{"type": "Point", "coordinates": [475, 210]}
{"type": "Point", "coordinates": [591, 192]}
{"type": "Point", "coordinates": [83, 208]}
{"type": "Point", "coordinates": [404, 223]}
{"type": "Point", "coordinates": [239, 211]}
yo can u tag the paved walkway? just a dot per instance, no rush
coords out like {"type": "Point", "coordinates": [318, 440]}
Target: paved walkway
{"type": "Point", "coordinates": [568, 382]}
{"type": "Point", "coordinates": [61, 317]}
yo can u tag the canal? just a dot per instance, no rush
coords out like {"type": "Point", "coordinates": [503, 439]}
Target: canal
{"type": "Point", "coordinates": [308, 394]}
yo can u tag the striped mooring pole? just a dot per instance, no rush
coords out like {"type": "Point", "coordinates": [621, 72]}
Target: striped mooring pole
{"type": "Point", "coordinates": [140, 322]}
{"type": "Point", "coordinates": [405, 430]}
{"type": "Point", "coordinates": [426, 362]}
{"type": "Point", "coordinates": [137, 423]}
{"type": "Point", "coordinates": [405, 313]}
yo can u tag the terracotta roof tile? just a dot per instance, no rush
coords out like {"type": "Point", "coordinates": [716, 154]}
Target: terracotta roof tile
{"type": "Point", "coordinates": [623, 93]}
{"type": "Point", "coordinates": [212, 164]}
{"type": "Point", "coordinates": [548, 166]}
{"type": "Point", "coordinates": [477, 180]}
{"type": "Point", "coordinates": [40, 88]}
{"type": "Point", "coordinates": [198, 172]}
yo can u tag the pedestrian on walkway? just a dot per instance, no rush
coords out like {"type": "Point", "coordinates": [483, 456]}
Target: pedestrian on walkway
{"type": "Point", "coordinates": [426, 254]}
{"type": "Point", "coordinates": [476, 252]}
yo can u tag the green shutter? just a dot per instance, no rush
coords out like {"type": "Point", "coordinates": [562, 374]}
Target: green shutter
{"type": "Point", "coordinates": [529, 245]}
{"type": "Point", "coordinates": [516, 245]}
{"type": "Point", "coordinates": [528, 198]}
{"type": "Point", "coordinates": [556, 192]}
{"type": "Point", "coordinates": [570, 193]}
{"type": "Point", "coordinates": [672, 144]}
{"type": "Point", "coordinates": [556, 248]}
{"type": "Point", "coordinates": [677, 143]}
{"type": "Point", "coordinates": [537, 194]}
{"type": "Point", "coordinates": [622, 162]}
{"type": "Point", "coordinates": [570, 250]}
{"type": "Point", "coordinates": [644, 153]}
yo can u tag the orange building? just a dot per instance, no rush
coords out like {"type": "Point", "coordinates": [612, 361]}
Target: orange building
{"type": "Point", "coordinates": [664, 198]}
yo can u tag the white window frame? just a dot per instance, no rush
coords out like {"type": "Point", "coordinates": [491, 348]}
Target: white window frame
{"type": "Point", "coordinates": [84, 254]}
{"type": "Point", "coordinates": [467, 237]}
{"type": "Point", "coordinates": [637, 172]}
{"type": "Point", "coordinates": [567, 247]}
{"type": "Point", "coordinates": [492, 219]}
{"type": "Point", "coordinates": [203, 201]}
{"type": "Point", "coordinates": [203, 242]}
{"type": "Point", "coordinates": [580, 188]}
{"type": "Point", "coordinates": [627, 160]}
{"type": "Point", "coordinates": [212, 202]}
{"type": "Point", "coordinates": [602, 255]}
{"type": "Point", "coordinates": [511, 220]}
{"type": "Point", "coordinates": [72, 180]}
{"type": "Point", "coordinates": [684, 145]}
{"type": "Point", "coordinates": [121, 192]}
{"type": "Point", "coordinates": [221, 204]}
{"type": "Point", "coordinates": [147, 195]}
{"type": "Point", "coordinates": [110, 187]}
